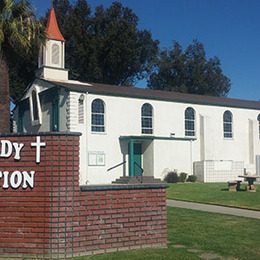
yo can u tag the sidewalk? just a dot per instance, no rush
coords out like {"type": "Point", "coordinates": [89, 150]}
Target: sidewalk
{"type": "Point", "coordinates": [213, 208]}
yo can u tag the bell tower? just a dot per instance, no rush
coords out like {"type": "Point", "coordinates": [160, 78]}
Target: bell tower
{"type": "Point", "coordinates": [51, 61]}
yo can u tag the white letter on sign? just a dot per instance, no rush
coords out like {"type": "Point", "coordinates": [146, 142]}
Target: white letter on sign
{"type": "Point", "coordinates": [6, 149]}
{"type": "Point", "coordinates": [16, 179]}
{"type": "Point", "coordinates": [28, 179]}
{"type": "Point", "coordinates": [18, 148]}
{"type": "Point", "coordinates": [5, 173]}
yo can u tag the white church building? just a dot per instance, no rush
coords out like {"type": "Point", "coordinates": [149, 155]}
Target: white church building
{"type": "Point", "coordinates": [128, 131]}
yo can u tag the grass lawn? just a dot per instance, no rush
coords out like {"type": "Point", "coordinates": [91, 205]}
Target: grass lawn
{"type": "Point", "coordinates": [214, 193]}
{"type": "Point", "coordinates": [227, 236]}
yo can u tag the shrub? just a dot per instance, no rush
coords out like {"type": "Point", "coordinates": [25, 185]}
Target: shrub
{"type": "Point", "coordinates": [171, 177]}
{"type": "Point", "coordinates": [192, 178]}
{"type": "Point", "coordinates": [183, 176]}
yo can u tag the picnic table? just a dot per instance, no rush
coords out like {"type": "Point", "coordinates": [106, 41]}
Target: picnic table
{"type": "Point", "coordinates": [250, 179]}
{"type": "Point", "coordinates": [234, 185]}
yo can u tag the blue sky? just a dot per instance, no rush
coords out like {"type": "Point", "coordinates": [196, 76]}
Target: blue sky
{"type": "Point", "coordinates": [229, 29]}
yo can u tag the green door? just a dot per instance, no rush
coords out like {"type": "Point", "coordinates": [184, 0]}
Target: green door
{"type": "Point", "coordinates": [137, 159]}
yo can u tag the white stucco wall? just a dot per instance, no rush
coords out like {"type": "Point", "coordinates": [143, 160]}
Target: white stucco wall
{"type": "Point", "coordinates": [123, 118]}
{"type": "Point", "coordinates": [52, 73]}
{"type": "Point", "coordinates": [173, 155]}
{"type": "Point", "coordinates": [148, 158]}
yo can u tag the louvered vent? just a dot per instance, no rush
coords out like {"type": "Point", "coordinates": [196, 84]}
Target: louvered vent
{"type": "Point", "coordinates": [55, 54]}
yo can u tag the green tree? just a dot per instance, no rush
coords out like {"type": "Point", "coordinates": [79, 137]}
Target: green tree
{"type": "Point", "coordinates": [19, 29]}
{"type": "Point", "coordinates": [189, 71]}
{"type": "Point", "coordinates": [22, 71]}
{"type": "Point", "coordinates": [171, 73]}
{"type": "Point", "coordinates": [106, 47]}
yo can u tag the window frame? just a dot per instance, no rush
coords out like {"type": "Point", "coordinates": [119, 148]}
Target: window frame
{"type": "Point", "coordinates": [228, 132]}
{"type": "Point", "coordinates": [190, 122]}
{"type": "Point", "coordinates": [147, 129]}
{"type": "Point", "coordinates": [98, 114]}
{"type": "Point", "coordinates": [35, 107]}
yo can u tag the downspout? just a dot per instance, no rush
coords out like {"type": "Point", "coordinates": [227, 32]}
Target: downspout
{"type": "Point", "coordinates": [191, 158]}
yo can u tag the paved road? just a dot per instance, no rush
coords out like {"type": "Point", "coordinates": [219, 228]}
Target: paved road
{"type": "Point", "coordinates": [214, 209]}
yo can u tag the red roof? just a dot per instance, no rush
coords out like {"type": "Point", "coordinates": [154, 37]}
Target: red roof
{"type": "Point", "coordinates": [52, 29]}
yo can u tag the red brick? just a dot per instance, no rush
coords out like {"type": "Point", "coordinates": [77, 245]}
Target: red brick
{"type": "Point", "coordinates": [55, 217]}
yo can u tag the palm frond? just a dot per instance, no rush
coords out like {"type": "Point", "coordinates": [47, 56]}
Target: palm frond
{"type": "Point", "coordinates": [19, 25]}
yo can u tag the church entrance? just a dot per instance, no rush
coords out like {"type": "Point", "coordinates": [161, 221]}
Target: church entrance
{"type": "Point", "coordinates": [140, 151]}
{"type": "Point", "coordinates": [138, 170]}
{"type": "Point", "coordinates": [136, 154]}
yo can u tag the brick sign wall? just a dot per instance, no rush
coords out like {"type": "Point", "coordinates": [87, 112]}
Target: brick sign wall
{"type": "Point", "coordinates": [45, 214]}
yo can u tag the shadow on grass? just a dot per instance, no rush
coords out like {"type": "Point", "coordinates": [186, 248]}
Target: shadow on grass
{"type": "Point", "coordinates": [224, 189]}
{"type": "Point", "coordinates": [233, 191]}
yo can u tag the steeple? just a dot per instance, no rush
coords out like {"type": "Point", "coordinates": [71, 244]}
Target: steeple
{"type": "Point", "coordinates": [52, 29]}
{"type": "Point", "coordinates": [51, 62]}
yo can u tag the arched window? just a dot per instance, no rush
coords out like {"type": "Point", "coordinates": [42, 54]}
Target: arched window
{"type": "Point", "coordinates": [55, 116]}
{"type": "Point", "coordinates": [35, 106]}
{"type": "Point", "coordinates": [189, 122]}
{"type": "Point", "coordinates": [98, 116]}
{"type": "Point", "coordinates": [258, 118]}
{"type": "Point", "coordinates": [147, 119]}
{"type": "Point", "coordinates": [81, 109]}
{"type": "Point", "coordinates": [228, 124]}
{"type": "Point", "coordinates": [55, 54]}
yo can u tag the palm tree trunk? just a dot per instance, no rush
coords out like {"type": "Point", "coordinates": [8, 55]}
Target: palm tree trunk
{"type": "Point", "coordinates": [4, 97]}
